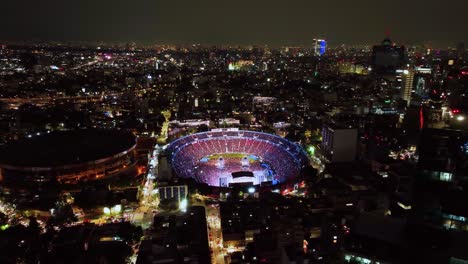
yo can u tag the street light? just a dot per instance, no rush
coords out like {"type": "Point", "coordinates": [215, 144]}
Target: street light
{"type": "Point", "coordinates": [460, 118]}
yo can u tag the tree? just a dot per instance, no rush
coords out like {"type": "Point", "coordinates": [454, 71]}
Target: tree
{"type": "Point", "coordinates": [203, 128]}
{"type": "Point", "coordinates": [64, 214]}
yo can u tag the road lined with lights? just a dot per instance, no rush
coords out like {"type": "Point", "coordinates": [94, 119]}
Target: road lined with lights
{"type": "Point", "coordinates": [148, 201]}
{"type": "Point", "coordinates": [215, 234]}
{"type": "Point", "coordinates": [213, 222]}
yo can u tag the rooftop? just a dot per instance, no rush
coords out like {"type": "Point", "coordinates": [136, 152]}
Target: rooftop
{"type": "Point", "coordinates": [66, 148]}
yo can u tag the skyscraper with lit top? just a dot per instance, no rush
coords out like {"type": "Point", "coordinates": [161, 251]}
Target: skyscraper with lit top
{"type": "Point", "coordinates": [387, 57]}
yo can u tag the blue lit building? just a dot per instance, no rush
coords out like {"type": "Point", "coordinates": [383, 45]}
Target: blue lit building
{"type": "Point", "coordinates": [320, 46]}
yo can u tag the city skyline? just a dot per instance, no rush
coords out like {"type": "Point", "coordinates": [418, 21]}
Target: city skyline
{"type": "Point", "coordinates": [233, 132]}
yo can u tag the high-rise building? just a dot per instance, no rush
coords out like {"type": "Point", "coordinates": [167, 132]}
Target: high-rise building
{"type": "Point", "coordinates": [320, 46]}
{"type": "Point", "coordinates": [387, 57]}
{"type": "Point", "coordinates": [420, 86]}
{"type": "Point", "coordinates": [442, 174]}
{"type": "Point", "coordinates": [443, 154]}
{"type": "Point", "coordinates": [339, 143]}
{"type": "Point", "coordinates": [408, 84]}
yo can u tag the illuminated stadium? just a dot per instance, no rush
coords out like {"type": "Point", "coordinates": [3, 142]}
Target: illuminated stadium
{"type": "Point", "coordinates": [225, 157]}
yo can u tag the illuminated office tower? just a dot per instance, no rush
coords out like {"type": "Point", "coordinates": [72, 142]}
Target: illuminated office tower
{"type": "Point", "coordinates": [407, 87]}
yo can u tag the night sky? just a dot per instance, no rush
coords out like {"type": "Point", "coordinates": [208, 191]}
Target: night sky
{"type": "Point", "coordinates": [273, 22]}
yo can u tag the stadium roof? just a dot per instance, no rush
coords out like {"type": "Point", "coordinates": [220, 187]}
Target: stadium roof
{"type": "Point", "coordinates": [66, 148]}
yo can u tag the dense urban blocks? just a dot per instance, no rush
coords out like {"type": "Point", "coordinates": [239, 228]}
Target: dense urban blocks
{"type": "Point", "coordinates": [225, 157]}
{"type": "Point", "coordinates": [67, 156]}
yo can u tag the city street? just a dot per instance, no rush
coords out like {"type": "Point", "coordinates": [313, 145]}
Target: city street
{"type": "Point", "coordinates": [215, 234]}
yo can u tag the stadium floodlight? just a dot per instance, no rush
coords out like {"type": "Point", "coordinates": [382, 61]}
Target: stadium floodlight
{"type": "Point", "coordinates": [106, 210]}
{"type": "Point", "coordinates": [311, 150]}
{"type": "Point", "coordinates": [117, 209]}
{"type": "Point", "coordinates": [183, 205]}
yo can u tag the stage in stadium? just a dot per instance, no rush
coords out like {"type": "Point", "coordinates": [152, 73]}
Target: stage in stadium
{"type": "Point", "coordinates": [227, 168]}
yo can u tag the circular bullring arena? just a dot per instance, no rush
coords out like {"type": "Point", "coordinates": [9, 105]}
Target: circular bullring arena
{"type": "Point", "coordinates": [225, 157]}
{"type": "Point", "coordinates": [67, 156]}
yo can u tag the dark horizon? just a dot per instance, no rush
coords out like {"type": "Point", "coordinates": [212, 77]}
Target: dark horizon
{"type": "Point", "coordinates": [209, 22]}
